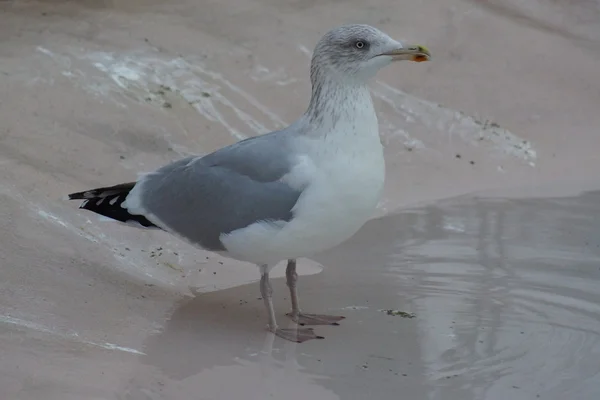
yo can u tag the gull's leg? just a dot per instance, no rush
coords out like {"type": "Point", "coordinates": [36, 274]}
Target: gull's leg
{"type": "Point", "coordinates": [298, 335]}
{"type": "Point", "coordinates": [296, 315]}
{"type": "Point", "coordinates": [291, 279]}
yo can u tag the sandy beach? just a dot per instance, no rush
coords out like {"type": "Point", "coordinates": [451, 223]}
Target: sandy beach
{"type": "Point", "coordinates": [478, 278]}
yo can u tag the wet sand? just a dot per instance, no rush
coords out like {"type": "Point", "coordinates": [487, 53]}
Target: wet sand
{"type": "Point", "coordinates": [503, 285]}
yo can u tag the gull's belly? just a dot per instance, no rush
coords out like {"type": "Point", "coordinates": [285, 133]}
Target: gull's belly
{"type": "Point", "coordinates": [341, 177]}
{"type": "Point", "coordinates": [332, 209]}
{"type": "Point", "coordinates": [335, 208]}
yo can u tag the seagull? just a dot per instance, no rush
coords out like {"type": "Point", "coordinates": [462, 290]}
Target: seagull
{"type": "Point", "coordinates": [286, 194]}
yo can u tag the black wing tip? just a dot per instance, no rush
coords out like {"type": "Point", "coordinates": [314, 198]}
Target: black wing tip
{"type": "Point", "coordinates": [101, 192]}
{"type": "Point", "coordinates": [79, 196]}
{"type": "Point", "coordinates": [75, 196]}
{"type": "Point", "coordinates": [85, 195]}
{"type": "Point", "coordinates": [108, 202]}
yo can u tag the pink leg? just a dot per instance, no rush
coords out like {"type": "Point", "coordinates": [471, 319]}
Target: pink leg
{"type": "Point", "coordinates": [297, 335]}
{"type": "Point", "coordinates": [296, 315]}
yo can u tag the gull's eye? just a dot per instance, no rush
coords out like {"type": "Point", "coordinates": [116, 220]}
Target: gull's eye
{"type": "Point", "coordinates": [360, 44]}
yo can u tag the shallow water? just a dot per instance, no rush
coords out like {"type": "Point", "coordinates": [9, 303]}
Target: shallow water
{"type": "Point", "coordinates": [506, 295]}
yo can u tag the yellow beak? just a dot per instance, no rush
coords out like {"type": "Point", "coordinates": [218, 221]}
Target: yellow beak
{"type": "Point", "coordinates": [412, 52]}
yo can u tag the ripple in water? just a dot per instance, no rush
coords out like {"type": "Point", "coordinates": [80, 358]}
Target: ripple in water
{"type": "Point", "coordinates": [508, 294]}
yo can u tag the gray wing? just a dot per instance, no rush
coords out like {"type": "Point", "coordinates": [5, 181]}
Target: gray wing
{"type": "Point", "coordinates": [201, 198]}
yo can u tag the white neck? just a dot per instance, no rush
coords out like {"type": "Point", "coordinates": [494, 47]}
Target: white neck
{"type": "Point", "coordinates": [343, 113]}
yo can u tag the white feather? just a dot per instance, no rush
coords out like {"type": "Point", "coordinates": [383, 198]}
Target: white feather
{"type": "Point", "coordinates": [344, 175]}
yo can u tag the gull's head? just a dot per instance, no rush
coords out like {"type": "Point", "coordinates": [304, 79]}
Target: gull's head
{"type": "Point", "coordinates": [357, 52]}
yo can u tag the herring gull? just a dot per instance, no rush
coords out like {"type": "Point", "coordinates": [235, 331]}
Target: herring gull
{"type": "Point", "coordinates": [286, 194]}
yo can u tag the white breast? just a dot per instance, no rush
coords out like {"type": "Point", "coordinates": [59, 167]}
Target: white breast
{"type": "Point", "coordinates": [346, 185]}
{"type": "Point", "coordinates": [342, 171]}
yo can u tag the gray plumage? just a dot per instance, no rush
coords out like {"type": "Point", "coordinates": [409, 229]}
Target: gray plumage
{"type": "Point", "coordinates": [201, 198]}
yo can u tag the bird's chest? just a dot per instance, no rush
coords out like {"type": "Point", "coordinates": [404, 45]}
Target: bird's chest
{"type": "Point", "coordinates": [354, 184]}
{"type": "Point", "coordinates": [352, 163]}
{"type": "Point", "coordinates": [346, 185]}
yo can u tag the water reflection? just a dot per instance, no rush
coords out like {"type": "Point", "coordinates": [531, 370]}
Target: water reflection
{"type": "Point", "coordinates": [214, 347]}
{"type": "Point", "coordinates": [506, 291]}
{"type": "Point", "coordinates": [506, 294]}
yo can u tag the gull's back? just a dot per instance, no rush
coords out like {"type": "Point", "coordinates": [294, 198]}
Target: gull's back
{"type": "Point", "coordinates": [202, 198]}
